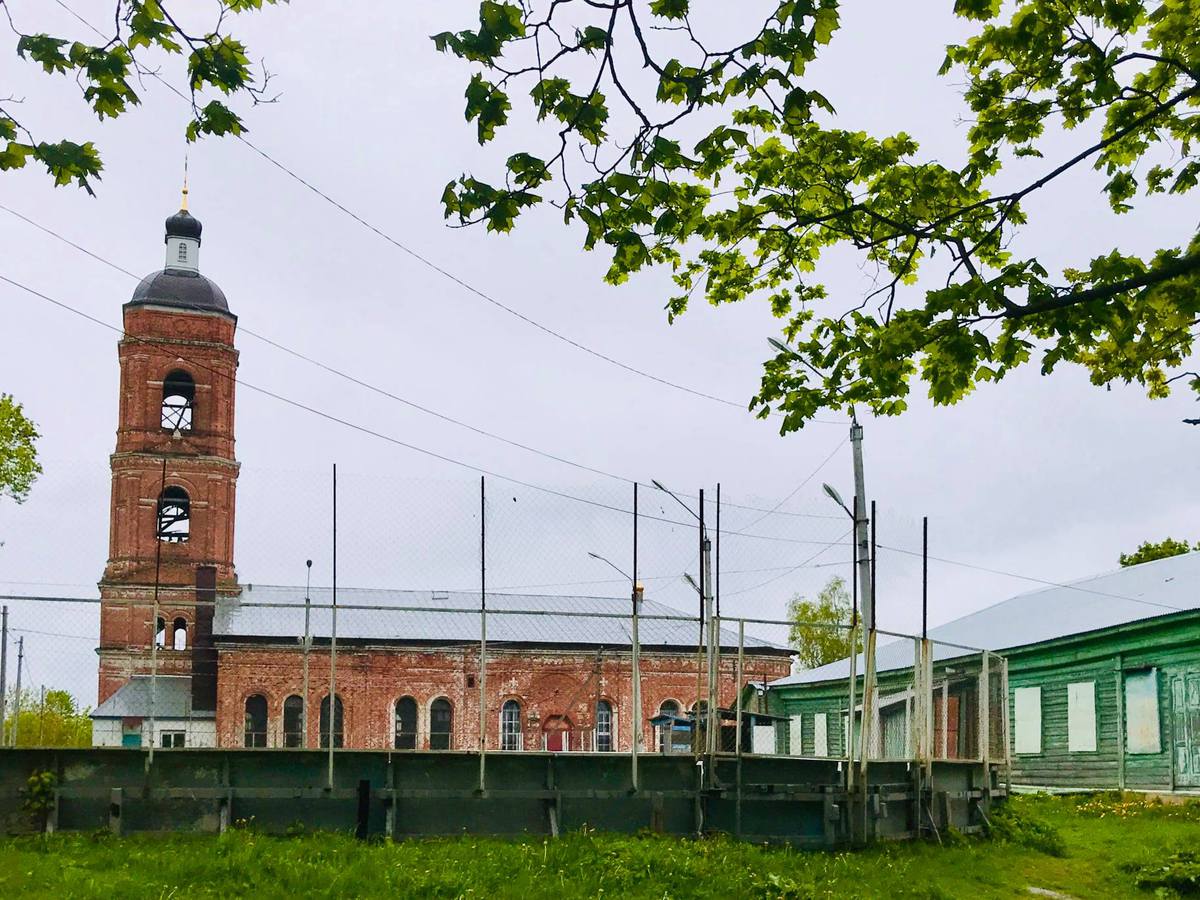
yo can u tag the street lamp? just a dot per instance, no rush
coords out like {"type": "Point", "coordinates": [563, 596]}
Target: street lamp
{"type": "Point", "coordinates": [610, 564]}
{"type": "Point", "coordinates": [837, 498]}
{"type": "Point", "coordinates": [692, 581]}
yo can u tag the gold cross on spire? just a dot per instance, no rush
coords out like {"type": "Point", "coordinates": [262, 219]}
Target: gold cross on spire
{"type": "Point", "coordinates": [183, 203]}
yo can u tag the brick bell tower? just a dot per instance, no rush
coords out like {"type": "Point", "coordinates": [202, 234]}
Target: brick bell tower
{"type": "Point", "coordinates": [174, 473]}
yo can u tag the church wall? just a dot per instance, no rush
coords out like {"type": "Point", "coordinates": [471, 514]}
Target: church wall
{"type": "Point", "coordinates": [546, 684]}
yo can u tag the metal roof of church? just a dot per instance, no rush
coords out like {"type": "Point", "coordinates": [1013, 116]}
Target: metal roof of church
{"type": "Point", "coordinates": [1121, 597]}
{"type": "Point", "coordinates": [452, 617]}
{"type": "Point", "coordinates": [180, 288]}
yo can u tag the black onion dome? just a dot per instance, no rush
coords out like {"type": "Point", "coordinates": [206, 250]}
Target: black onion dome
{"type": "Point", "coordinates": [182, 289]}
{"type": "Point", "coordinates": [184, 224]}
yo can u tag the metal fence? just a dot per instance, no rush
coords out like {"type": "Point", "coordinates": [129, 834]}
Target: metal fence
{"type": "Point", "coordinates": [538, 646]}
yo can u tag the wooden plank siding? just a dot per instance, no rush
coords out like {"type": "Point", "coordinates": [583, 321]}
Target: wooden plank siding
{"type": "Point", "coordinates": [1168, 644]}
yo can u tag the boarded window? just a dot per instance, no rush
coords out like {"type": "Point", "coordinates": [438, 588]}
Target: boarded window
{"type": "Point", "coordinates": [1027, 727]}
{"type": "Point", "coordinates": [796, 735]}
{"type": "Point", "coordinates": [820, 735]}
{"type": "Point", "coordinates": [762, 739]}
{"type": "Point", "coordinates": [1142, 731]}
{"type": "Point", "coordinates": [1081, 716]}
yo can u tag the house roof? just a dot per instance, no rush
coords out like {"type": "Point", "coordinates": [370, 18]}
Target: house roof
{"type": "Point", "coordinates": [172, 700]}
{"type": "Point", "coordinates": [276, 612]}
{"type": "Point", "coordinates": [1127, 595]}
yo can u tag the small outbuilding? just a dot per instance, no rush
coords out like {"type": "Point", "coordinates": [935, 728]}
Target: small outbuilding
{"type": "Point", "coordinates": [1103, 680]}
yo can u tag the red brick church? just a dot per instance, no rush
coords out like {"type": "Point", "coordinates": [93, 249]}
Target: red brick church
{"type": "Point", "coordinates": [231, 661]}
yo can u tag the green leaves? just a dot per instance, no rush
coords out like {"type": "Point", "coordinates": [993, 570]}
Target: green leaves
{"type": "Point", "coordinates": [19, 467]}
{"type": "Point", "coordinates": [487, 105]}
{"type": "Point", "coordinates": [717, 160]}
{"type": "Point", "coordinates": [104, 73]}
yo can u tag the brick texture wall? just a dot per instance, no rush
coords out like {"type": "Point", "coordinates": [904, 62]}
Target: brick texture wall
{"type": "Point", "coordinates": [200, 460]}
{"type": "Point", "coordinates": [548, 685]}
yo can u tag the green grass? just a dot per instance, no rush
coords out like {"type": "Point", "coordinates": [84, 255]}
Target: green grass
{"type": "Point", "coordinates": [1096, 847]}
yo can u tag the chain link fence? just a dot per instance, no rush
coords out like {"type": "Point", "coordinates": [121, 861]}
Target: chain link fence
{"type": "Point", "coordinates": [375, 612]}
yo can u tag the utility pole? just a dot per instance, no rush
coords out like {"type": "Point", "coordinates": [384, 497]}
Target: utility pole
{"type": "Point", "coordinates": [865, 595]}
{"type": "Point", "coordinates": [3, 672]}
{"type": "Point", "coordinates": [17, 703]}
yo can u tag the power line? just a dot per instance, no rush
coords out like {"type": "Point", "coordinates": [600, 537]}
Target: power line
{"type": "Point", "coordinates": [1057, 584]}
{"type": "Point", "coordinates": [413, 404]}
{"type": "Point", "coordinates": [425, 261]}
{"type": "Point", "coordinates": [370, 431]}
{"type": "Point", "coordinates": [801, 565]}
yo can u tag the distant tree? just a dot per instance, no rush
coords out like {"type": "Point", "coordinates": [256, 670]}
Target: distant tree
{"type": "Point", "coordinates": [1149, 550]}
{"type": "Point", "coordinates": [58, 721]}
{"type": "Point", "coordinates": [810, 634]}
{"type": "Point", "coordinates": [19, 467]}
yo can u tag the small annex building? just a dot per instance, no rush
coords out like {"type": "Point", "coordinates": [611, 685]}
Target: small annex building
{"type": "Point", "coordinates": [1103, 681]}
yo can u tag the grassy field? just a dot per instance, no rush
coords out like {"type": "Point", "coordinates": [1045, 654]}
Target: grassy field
{"type": "Point", "coordinates": [1096, 847]}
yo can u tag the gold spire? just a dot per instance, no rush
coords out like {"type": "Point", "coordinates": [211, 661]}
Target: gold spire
{"type": "Point", "coordinates": [183, 203]}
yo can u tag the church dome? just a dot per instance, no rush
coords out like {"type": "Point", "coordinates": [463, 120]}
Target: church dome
{"type": "Point", "coordinates": [182, 289]}
{"type": "Point", "coordinates": [184, 224]}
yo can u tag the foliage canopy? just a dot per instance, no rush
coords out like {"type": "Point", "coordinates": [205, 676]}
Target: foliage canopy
{"type": "Point", "coordinates": [1149, 551]}
{"type": "Point", "coordinates": [813, 633]}
{"type": "Point", "coordinates": [718, 157]}
{"type": "Point", "coordinates": [19, 467]}
{"type": "Point", "coordinates": [144, 32]}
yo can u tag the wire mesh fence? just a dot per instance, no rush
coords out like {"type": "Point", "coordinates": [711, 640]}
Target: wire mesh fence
{"type": "Point", "coordinates": [373, 612]}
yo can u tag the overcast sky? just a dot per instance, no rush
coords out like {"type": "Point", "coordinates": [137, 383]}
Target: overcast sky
{"type": "Point", "coordinates": [1047, 477]}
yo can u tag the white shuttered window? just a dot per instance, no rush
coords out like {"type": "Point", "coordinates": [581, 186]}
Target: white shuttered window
{"type": "Point", "coordinates": [1081, 716]}
{"type": "Point", "coordinates": [1027, 727]}
{"type": "Point", "coordinates": [1141, 712]}
{"type": "Point", "coordinates": [820, 735]}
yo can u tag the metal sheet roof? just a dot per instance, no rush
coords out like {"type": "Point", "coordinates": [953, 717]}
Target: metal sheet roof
{"type": "Point", "coordinates": [1126, 595]}
{"type": "Point", "coordinates": [451, 617]}
{"type": "Point", "coordinates": [172, 700]}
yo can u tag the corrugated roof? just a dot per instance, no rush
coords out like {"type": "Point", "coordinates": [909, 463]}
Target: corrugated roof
{"type": "Point", "coordinates": [172, 700]}
{"type": "Point", "coordinates": [1126, 595]}
{"type": "Point", "coordinates": [453, 617]}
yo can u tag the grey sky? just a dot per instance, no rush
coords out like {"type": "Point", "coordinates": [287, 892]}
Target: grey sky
{"type": "Point", "coordinates": [1048, 477]}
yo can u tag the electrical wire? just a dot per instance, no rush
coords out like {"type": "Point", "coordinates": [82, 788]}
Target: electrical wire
{"type": "Point", "coordinates": [413, 404]}
{"type": "Point", "coordinates": [425, 261]}
{"type": "Point", "coordinates": [370, 431]}
{"type": "Point", "coordinates": [1043, 581]}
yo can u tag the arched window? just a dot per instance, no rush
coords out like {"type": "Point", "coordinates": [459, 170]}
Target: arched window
{"type": "Point", "coordinates": [160, 632]}
{"type": "Point", "coordinates": [604, 727]}
{"type": "Point", "coordinates": [179, 397]}
{"type": "Point", "coordinates": [406, 724]}
{"type": "Point", "coordinates": [666, 708]}
{"type": "Point", "coordinates": [293, 721]}
{"type": "Point", "coordinates": [174, 515]}
{"type": "Point", "coordinates": [337, 722]}
{"type": "Point", "coordinates": [179, 634]}
{"type": "Point", "coordinates": [256, 721]}
{"type": "Point", "coordinates": [441, 723]}
{"type": "Point", "coordinates": [511, 737]}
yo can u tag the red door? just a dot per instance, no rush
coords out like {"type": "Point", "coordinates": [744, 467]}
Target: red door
{"type": "Point", "coordinates": [554, 740]}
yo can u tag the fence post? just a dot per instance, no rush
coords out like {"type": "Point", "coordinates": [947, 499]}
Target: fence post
{"type": "Point", "coordinates": [985, 719]}
{"type": "Point", "coordinates": [333, 705]}
{"type": "Point", "coordinates": [737, 828]}
{"type": "Point", "coordinates": [482, 634]}
{"type": "Point", "coordinates": [637, 689]}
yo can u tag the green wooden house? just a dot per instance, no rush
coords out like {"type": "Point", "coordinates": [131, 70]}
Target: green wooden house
{"type": "Point", "coordinates": [1101, 680]}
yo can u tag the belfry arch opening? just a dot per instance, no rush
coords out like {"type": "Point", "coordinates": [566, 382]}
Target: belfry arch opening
{"type": "Point", "coordinates": [174, 515]}
{"type": "Point", "coordinates": [178, 401]}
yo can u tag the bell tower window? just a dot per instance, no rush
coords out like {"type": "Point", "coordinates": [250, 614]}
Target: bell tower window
{"type": "Point", "coordinates": [179, 397]}
{"type": "Point", "coordinates": [174, 515]}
